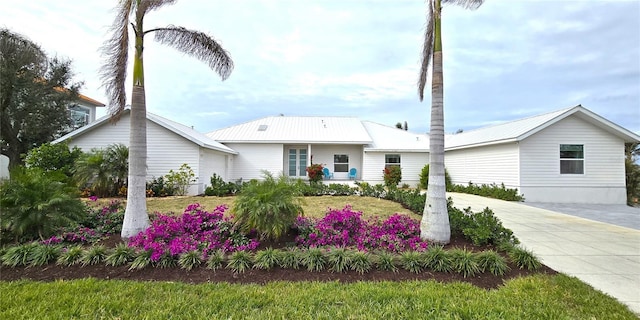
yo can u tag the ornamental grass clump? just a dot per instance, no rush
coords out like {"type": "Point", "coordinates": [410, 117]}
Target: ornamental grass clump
{"type": "Point", "coordinates": [464, 262]}
{"type": "Point", "coordinates": [524, 259]}
{"type": "Point", "coordinates": [71, 256]}
{"type": "Point", "coordinates": [94, 255]}
{"type": "Point", "coordinates": [240, 261]}
{"type": "Point", "coordinates": [493, 262]}
{"type": "Point", "coordinates": [386, 261]}
{"type": "Point", "coordinates": [120, 255]}
{"type": "Point", "coordinates": [216, 260]}
{"type": "Point", "coordinates": [42, 255]}
{"type": "Point", "coordinates": [339, 259]}
{"type": "Point", "coordinates": [266, 259]}
{"type": "Point", "coordinates": [361, 262]}
{"type": "Point", "coordinates": [190, 260]}
{"type": "Point", "coordinates": [270, 206]}
{"type": "Point", "coordinates": [195, 229]}
{"type": "Point", "coordinates": [19, 255]}
{"type": "Point", "coordinates": [291, 258]}
{"type": "Point", "coordinates": [346, 228]}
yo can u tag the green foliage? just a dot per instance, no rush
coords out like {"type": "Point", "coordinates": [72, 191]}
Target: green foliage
{"type": "Point", "coordinates": [239, 261]}
{"type": "Point", "coordinates": [216, 260]}
{"type": "Point", "coordinates": [412, 261]}
{"type": "Point", "coordinates": [437, 259]}
{"type": "Point", "coordinates": [220, 188]}
{"type": "Point", "coordinates": [314, 171]}
{"type": "Point", "coordinates": [489, 190]}
{"type": "Point", "coordinates": [424, 178]}
{"type": "Point", "coordinates": [493, 262]}
{"type": "Point", "coordinates": [181, 179]}
{"type": "Point", "coordinates": [166, 261]}
{"type": "Point", "coordinates": [70, 256]}
{"type": "Point", "coordinates": [386, 261]}
{"type": "Point", "coordinates": [142, 260]}
{"type": "Point", "coordinates": [44, 254]}
{"type": "Point", "coordinates": [392, 176]}
{"type": "Point", "coordinates": [632, 173]}
{"type": "Point", "coordinates": [94, 255]}
{"type": "Point", "coordinates": [480, 227]}
{"type": "Point", "coordinates": [270, 206]}
{"type": "Point", "coordinates": [19, 255]}
{"type": "Point", "coordinates": [266, 259]}
{"type": "Point", "coordinates": [103, 171]}
{"type": "Point", "coordinates": [314, 259]}
{"type": "Point", "coordinates": [464, 262]}
{"type": "Point", "coordinates": [159, 188]}
{"type": "Point", "coordinates": [524, 259]}
{"type": "Point", "coordinates": [53, 157]}
{"type": "Point", "coordinates": [120, 255]}
{"type": "Point", "coordinates": [361, 262]}
{"type": "Point", "coordinates": [339, 259]}
{"type": "Point", "coordinates": [34, 109]}
{"type": "Point", "coordinates": [36, 203]}
{"type": "Point", "coordinates": [291, 258]}
{"type": "Point", "coordinates": [190, 260]}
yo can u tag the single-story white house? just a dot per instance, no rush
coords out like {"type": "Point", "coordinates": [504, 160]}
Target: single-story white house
{"type": "Point", "coordinates": [570, 155]}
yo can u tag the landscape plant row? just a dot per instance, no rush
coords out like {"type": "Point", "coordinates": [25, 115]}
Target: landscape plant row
{"type": "Point", "coordinates": [334, 259]}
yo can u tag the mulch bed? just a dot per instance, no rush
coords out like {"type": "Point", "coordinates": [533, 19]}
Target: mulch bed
{"type": "Point", "coordinates": [54, 272]}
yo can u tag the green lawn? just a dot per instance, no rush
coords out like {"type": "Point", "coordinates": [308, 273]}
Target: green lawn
{"type": "Point", "coordinates": [536, 297]}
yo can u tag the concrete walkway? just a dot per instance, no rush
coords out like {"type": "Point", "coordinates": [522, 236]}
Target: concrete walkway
{"type": "Point", "coordinates": [605, 256]}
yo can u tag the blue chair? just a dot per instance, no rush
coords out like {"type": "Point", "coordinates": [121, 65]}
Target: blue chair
{"type": "Point", "coordinates": [327, 174]}
{"type": "Point", "coordinates": [352, 173]}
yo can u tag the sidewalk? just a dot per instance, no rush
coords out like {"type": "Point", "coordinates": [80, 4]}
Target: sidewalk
{"type": "Point", "coordinates": [605, 256]}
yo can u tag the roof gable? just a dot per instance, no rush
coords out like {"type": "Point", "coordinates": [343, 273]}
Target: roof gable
{"type": "Point", "coordinates": [296, 129]}
{"type": "Point", "coordinates": [392, 139]}
{"type": "Point", "coordinates": [521, 129]}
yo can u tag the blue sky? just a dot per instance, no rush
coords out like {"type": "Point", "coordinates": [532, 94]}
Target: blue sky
{"type": "Point", "coordinates": [504, 61]}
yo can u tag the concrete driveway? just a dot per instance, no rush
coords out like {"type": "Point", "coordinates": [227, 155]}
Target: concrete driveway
{"type": "Point", "coordinates": [604, 255]}
{"type": "Point", "coordinates": [618, 214]}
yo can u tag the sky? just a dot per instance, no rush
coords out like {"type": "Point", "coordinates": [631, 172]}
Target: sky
{"type": "Point", "coordinates": [504, 61]}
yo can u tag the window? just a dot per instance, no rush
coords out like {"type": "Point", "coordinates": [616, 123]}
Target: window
{"type": "Point", "coordinates": [341, 163]}
{"type": "Point", "coordinates": [571, 159]}
{"type": "Point", "coordinates": [79, 116]}
{"type": "Point", "coordinates": [391, 160]}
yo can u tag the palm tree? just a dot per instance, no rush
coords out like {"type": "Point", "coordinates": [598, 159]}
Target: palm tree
{"type": "Point", "coordinates": [435, 219]}
{"type": "Point", "coordinates": [114, 72]}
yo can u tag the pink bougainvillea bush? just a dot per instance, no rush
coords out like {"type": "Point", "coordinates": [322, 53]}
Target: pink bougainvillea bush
{"type": "Point", "coordinates": [195, 229]}
{"type": "Point", "coordinates": [346, 228]}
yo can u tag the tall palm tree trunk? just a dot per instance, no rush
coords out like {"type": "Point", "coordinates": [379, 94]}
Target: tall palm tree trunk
{"type": "Point", "coordinates": [435, 219]}
{"type": "Point", "coordinates": [136, 218]}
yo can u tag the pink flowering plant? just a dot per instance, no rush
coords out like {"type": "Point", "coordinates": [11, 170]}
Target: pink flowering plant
{"type": "Point", "coordinates": [346, 228]}
{"type": "Point", "coordinates": [196, 229]}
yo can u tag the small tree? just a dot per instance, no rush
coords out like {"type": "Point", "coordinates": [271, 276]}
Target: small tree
{"type": "Point", "coordinates": [53, 157]}
{"type": "Point", "coordinates": [181, 179]}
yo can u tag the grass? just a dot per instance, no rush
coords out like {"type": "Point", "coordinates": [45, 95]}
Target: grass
{"type": "Point", "coordinates": [312, 206]}
{"type": "Point", "coordinates": [535, 297]}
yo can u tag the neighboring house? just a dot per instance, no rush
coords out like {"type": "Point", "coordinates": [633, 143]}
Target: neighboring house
{"type": "Point", "coordinates": [169, 145]}
{"type": "Point", "coordinates": [84, 111]}
{"type": "Point", "coordinates": [571, 155]}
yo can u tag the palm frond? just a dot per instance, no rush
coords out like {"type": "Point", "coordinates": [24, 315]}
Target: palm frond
{"type": "Point", "coordinates": [427, 51]}
{"type": "Point", "coordinates": [467, 4]}
{"type": "Point", "coordinates": [197, 44]}
{"type": "Point", "coordinates": [113, 72]}
{"type": "Point", "coordinates": [150, 5]}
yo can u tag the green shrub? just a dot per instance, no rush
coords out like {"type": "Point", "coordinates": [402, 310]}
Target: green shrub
{"type": "Point", "coordinates": [491, 261]}
{"type": "Point", "coordinates": [44, 254]}
{"type": "Point", "coordinates": [386, 261]}
{"type": "Point", "coordinates": [291, 258]}
{"type": "Point", "coordinates": [53, 157]}
{"type": "Point", "coordinates": [35, 204]}
{"type": "Point", "coordinates": [412, 261]}
{"type": "Point", "coordinates": [392, 176]}
{"type": "Point", "coordinates": [159, 188]}
{"type": "Point", "coordinates": [120, 255]}
{"type": "Point", "coordinates": [166, 261]}
{"type": "Point", "coordinates": [94, 255]}
{"type": "Point", "coordinates": [315, 173]}
{"type": "Point", "coordinates": [270, 206]}
{"type": "Point", "coordinates": [314, 259]}
{"type": "Point", "coordinates": [216, 260]}
{"type": "Point", "coordinates": [220, 188]}
{"type": "Point", "coordinates": [464, 262]}
{"type": "Point", "coordinates": [142, 260]}
{"type": "Point", "coordinates": [481, 228]}
{"type": "Point", "coordinates": [437, 259]}
{"type": "Point", "coordinates": [524, 259]}
{"type": "Point", "coordinates": [19, 255]}
{"type": "Point", "coordinates": [181, 179]}
{"type": "Point", "coordinates": [266, 259]}
{"type": "Point", "coordinates": [103, 171]}
{"type": "Point", "coordinates": [424, 178]}
{"type": "Point", "coordinates": [190, 260]}
{"type": "Point", "coordinates": [361, 262]}
{"type": "Point", "coordinates": [489, 190]}
{"type": "Point", "coordinates": [70, 256]}
{"type": "Point", "coordinates": [339, 259]}
{"type": "Point", "coordinates": [239, 261]}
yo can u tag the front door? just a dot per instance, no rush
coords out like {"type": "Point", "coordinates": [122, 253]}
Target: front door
{"type": "Point", "coordinates": [297, 162]}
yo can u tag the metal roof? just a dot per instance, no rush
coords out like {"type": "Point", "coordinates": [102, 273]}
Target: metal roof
{"type": "Point", "coordinates": [392, 139]}
{"type": "Point", "coordinates": [296, 129]}
{"type": "Point", "coordinates": [520, 129]}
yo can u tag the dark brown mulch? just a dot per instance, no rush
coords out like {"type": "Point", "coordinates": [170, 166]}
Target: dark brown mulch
{"type": "Point", "coordinates": [53, 272]}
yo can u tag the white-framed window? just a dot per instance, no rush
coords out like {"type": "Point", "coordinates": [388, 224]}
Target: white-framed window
{"type": "Point", "coordinates": [391, 160]}
{"type": "Point", "coordinates": [340, 163]}
{"type": "Point", "coordinates": [571, 159]}
{"type": "Point", "coordinates": [80, 116]}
